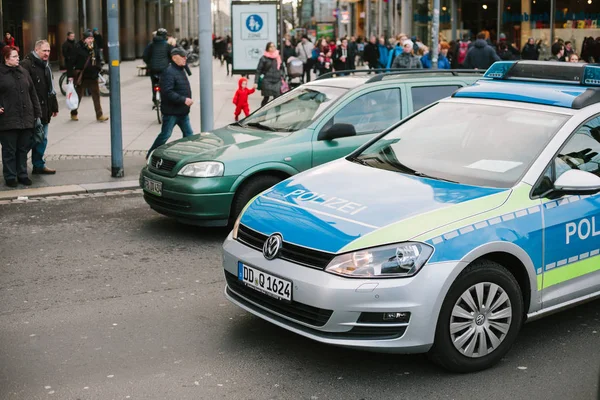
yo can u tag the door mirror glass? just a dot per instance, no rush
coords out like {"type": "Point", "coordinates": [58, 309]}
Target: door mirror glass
{"type": "Point", "coordinates": [577, 182]}
{"type": "Point", "coordinates": [337, 131]}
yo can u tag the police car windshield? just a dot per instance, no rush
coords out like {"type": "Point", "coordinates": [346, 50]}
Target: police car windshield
{"type": "Point", "coordinates": [295, 110]}
{"type": "Point", "coordinates": [473, 144]}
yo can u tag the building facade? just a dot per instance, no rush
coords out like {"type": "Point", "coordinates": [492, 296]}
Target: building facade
{"type": "Point", "coordinates": [31, 20]}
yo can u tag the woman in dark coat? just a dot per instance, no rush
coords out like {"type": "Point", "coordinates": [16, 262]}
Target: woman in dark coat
{"type": "Point", "coordinates": [269, 67]}
{"type": "Point", "coordinates": [19, 113]}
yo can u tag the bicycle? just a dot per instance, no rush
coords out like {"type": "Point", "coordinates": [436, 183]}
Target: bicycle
{"type": "Point", "coordinates": [156, 98]}
{"type": "Point", "coordinates": [103, 83]}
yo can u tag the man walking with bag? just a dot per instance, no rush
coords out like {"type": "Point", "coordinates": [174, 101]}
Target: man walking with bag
{"type": "Point", "coordinates": [176, 101]}
{"type": "Point", "coordinates": [84, 73]}
{"type": "Point", "coordinates": [36, 63]}
{"type": "Point", "coordinates": [304, 51]}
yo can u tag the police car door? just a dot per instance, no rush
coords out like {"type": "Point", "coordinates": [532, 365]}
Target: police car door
{"type": "Point", "coordinates": [369, 114]}
{"type": "Point", "coordinates": [572, 223]}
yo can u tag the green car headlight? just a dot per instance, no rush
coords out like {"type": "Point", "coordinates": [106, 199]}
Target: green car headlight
{"type": "Point", "coordinates": [204, 169]}
{"type": "Point", "coordinates": [392, 261]}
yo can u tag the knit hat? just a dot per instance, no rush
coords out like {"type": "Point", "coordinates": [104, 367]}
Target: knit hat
{"type": "Point", "coordinates": [408, 43]}
{"type": "Point", "coordinates": [88, 33]}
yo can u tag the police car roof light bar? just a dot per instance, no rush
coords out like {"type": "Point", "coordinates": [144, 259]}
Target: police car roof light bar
{"type": "Point", "coordinates": [544, 71]}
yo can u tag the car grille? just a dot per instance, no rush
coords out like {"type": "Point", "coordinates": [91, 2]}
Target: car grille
{"type": "Point", "coordinates": [166, 202]}
{"type": "Point", "coordinates": [289, 252]}
{"type": "Point", "coordinates": [294, 310]}
{"type": "Point", "coordinates": [162, 164]}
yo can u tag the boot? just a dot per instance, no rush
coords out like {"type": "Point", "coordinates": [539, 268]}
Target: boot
{"type": "Point", "coordinates": [74, 117]}
{"type": "Point", "coordinates": [102, 118]}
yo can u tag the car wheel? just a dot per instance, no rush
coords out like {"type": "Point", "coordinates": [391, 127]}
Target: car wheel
{"type": "Point", "coordinates": [479, 320]}
{"type": "Point", "coordinates": [249, 189]}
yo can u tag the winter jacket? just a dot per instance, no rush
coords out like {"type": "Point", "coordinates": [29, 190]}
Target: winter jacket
{"type": "Point", "coordinates": [271, 84]}
{"type": "Point", "coordinates": [18, 98]}
{"type": "Point", "coordinates": [81, 55]}
{"type": "Point", "coordinates": [393, 53]}
{"type": "Point", "coordinates": [371, 54]}
{"type": "Point", "coordinates": [384, 55]}
{"type": "Point", "coordinates": [157, 55]}
{"type": "Point", "coordinates": [407, 60]}
{"type": "Point", "coordinates": [340, 65]}
{"type": "Point", "coordinates": [240, 98]}
{"type": "Point", "coordinates": [42, 81]}
{"type": "Point", "coordinates": [288, 51]}
{"type": "Point", "coordinates": [68, 52]}
{"type": "Point", "coordinates": [530, 52]}
{"type": "Point", "coordinates": [304, 51]}
{"type": "Point", "coordinates": [443, 62]}
{"type": "Point", "coordinates": [480, 56]}
{"type": "Point", "coordinates": [174, 89]}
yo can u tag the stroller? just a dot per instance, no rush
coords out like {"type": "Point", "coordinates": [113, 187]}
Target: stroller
{"type": "Point", "coordinates": [294, 70]}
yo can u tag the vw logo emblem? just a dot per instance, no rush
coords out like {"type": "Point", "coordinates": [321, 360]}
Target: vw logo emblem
{"type": "Point", "coordinates": [480, 319]}
{"type": "Point", "coordinates": [159, 163]}
{"type": "Point", "coordinates": [272, 246]}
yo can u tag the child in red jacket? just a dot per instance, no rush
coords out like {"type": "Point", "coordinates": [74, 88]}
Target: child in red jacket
{"type": "Point", "coordinates": [240, 99]}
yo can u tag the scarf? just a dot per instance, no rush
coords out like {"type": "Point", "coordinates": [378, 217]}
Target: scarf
{"type": "Point", "coordinates": [49, 76]}
{"type": "Point", "coordinates": [274, 56]}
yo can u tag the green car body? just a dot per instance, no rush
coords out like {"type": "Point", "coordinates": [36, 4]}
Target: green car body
{"type": "Point", "coordinates": [250, 159]}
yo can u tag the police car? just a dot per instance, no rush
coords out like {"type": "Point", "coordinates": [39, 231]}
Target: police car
{"type": "Point", "coordinates": [445, 233]}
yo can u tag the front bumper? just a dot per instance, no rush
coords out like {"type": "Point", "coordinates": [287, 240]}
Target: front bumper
{"type": "Point", "coordinates": [195, 201]}
{"type": "Point", "coordinates": [334, 304]}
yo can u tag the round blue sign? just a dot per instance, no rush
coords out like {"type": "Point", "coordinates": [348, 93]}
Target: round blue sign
{"type": "Point", "coordinates": [254, 23]}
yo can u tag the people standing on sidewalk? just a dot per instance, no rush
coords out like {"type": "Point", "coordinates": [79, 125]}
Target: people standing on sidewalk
{"type": "Point", "coordinates": [19, 114]}
{"type": "Point", "coordinates": [481, 55]}
{"type": "Point", "coordinates": [176, 94]}
{"type": "Point", "coordinates": [68, 50]}
{"type": "Point", "coordinates": [99, 42]}
{"type": "Point", "coordinates": [343, 56]}
{"type": "Point", "coordinates": [84, 73]}
{"type": "Point", "coordinates": [304, 51]}
{"type": "Point", "coordinates": [36, 63]}
{"type": "Point", "coordinates": [269, 73]}
{"type": "Point", "coordinates": [157, 57]}
{"type": "Point", "coordinates": [9, 41]}
{"type": "Point", "coordinates": [407, 58]}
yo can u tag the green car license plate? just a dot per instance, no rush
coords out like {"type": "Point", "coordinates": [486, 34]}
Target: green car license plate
{"type": "Point", "coordinates": [152, 186]}
{"type": "Point", "coordinates": [266, 283]}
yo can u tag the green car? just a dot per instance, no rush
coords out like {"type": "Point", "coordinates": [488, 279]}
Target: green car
{"type": "Point", "coordinates": [207, 179]}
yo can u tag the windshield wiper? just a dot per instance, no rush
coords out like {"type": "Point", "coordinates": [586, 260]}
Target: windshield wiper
{"type": "Point", "coordinates": [260, 126]}
{"type": "Point", "coordinates": [424, 175]}
{"type": "Point", "coordinates": [358, 161]}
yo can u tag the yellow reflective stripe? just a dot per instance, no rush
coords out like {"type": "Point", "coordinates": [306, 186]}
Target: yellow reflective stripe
{"type": "Point", "coordinates": [571, 271]}
{"type": "Point", "coordinates": [540, 282]}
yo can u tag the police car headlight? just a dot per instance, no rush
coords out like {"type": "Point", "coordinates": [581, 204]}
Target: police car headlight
{"type": "Point", "coordinates": [204, 169]}
{"type": "Point", "coordinates": [392, 261]}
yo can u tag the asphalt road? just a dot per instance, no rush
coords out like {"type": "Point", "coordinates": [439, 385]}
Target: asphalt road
{"type": "Point", "coordinates": [101, 298]}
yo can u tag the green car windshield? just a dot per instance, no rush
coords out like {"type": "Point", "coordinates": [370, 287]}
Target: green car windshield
{"type": "Point", "coordinates": [472, 144]}
{"type": "Point", "coordinates": [295, 110]}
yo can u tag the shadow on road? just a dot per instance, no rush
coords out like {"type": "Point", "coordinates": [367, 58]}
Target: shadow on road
{"type": "Point", "coordinates": [161, 225]}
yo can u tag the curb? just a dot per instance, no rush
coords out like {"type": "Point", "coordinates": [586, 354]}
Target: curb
{"type": "Point", "coordinates": [69, 189]}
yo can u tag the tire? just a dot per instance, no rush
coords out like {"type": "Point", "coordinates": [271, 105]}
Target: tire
{"type": "Point", "coordinates": [479, 277]}
{"type": "Point", "coordinates": [248, 190]}
{"type": "Point", "coordinates": [62, 82]}
{"type": "Point", "coordinates": [158, 113]}
{"type": "Point", "coordinates": [104, 89]}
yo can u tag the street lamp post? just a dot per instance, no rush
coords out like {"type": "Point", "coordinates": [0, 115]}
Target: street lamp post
{"type": "Point", "coordinates": [206, 72]}
{"type": "Point", "coordinates": [435, 30]}
{"type": "Point", "coordinates": [116, 136]}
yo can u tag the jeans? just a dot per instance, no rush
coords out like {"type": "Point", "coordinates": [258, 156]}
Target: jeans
{"type": "Point", "coordinates": [15, 146]}
{"type": "Point", "coordinates": [38, 150]}
{"type": "Point", "coordinates": [168, 123]}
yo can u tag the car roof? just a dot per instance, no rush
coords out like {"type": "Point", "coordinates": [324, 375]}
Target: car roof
{"type": "Point", "coordinates": [565, 85]}
{"type": "Point", "coordinates": [362, 77]}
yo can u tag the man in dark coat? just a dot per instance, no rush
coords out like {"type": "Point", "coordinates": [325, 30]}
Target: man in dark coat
{"type": "Point", "coordinates": [157, 57]}
{"type": "Point", "coordinates": [176, 101]}
{"type": "Point", "coordinates": [84, 73]}
{"type": "Point", "coordinates": [371, 54]}
{"type": "Point", "coordinates": [19, 115]}
{"type": "Point", "coordinates": [99, 42]}
{"type": "Point", "coordinates": [481, 55]}
{"type": "Point", "coordinates": [36, 63]}
{"type": "Point", "coordinates": [343, 56]}
{"type": "Point", "coordinates": [68, 49]}
{"type": "Point", "coordinates": [531, 51]}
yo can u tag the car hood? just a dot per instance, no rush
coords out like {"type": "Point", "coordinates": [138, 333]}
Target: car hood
{"type": "Point", "coordinates": [221, 143]}
{"type": "Point", "coordinates": [333, 206]}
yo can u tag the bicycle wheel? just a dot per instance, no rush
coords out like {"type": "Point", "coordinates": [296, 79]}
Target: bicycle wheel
{"type": "Point", "coordinates": [158, 114]}
{"type": "Point", "coordinates": [63, 82]}
{"type": "Point", "coordinates": [103, 83]}
{"type": "Point", "coordinates": [194, 60]}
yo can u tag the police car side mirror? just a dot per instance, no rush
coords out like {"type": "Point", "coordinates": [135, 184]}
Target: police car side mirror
{"type": "Point", "coordinates": [337, 131]}
{"type": "Point", "coordinates": [577, 182]}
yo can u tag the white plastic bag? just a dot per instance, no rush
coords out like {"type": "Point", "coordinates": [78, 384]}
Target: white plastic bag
{"type": "Point", "coordinates": [72, 98]}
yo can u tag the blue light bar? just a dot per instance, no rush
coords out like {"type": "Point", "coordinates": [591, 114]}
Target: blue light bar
{"type": "Point", "coordinates": [591, 75]}
{"type": "Point", "coordinates": [499, 69]}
